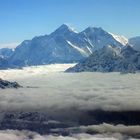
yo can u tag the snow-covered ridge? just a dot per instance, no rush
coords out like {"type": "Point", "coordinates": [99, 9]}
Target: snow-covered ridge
{"type": "Point", "coordinates": [123, 40]}
{"type": "Point", "coordinates": [110, 59]}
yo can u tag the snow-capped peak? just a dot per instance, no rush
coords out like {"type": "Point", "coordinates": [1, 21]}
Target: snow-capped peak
{"type": "Point", "coordinates": [70, 28]}
{"type": "Point", "coordinates": [123, 40]}
{"type": "Point", "coordinates": [66, 27]}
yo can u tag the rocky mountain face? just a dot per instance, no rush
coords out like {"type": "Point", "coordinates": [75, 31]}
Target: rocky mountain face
{"type": "Point", "coordinates": [6, 84]}
{"type": "Point", "coordinates": [135, 42]}
{"type": "Point", "coordinates": [64, 45]}
{"type": "Point", "coordinates": [6, 52]}
{"type": "Point", "coordinates": [4, 63]}
{"type": "Point", "coordinates": [110, 59]}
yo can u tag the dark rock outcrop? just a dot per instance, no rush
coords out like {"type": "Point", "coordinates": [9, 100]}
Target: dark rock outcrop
{"type": "Point", "coordinates": [6, 84]}
{"type": "Point", "coordinates": [42, 123]}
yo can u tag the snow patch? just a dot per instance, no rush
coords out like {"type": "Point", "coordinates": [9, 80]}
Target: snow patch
{"type": "Point", "coordinates": [89, 50]}
{"type": "Point", "coordinates": [77, 48]}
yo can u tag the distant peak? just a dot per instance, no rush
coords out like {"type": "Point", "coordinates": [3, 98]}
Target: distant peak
{"type": "Point", "coordinates": [94, 29]}
{"type": "Point", "coordinates": [65, 24]}
{"type": "Point", "coordinates": [66, 27]}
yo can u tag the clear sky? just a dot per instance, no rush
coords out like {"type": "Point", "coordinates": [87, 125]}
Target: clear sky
{"type": "Point", "coordinates": [24, 19]}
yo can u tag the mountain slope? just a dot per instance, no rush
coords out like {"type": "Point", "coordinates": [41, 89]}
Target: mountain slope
{"type": "Point", "coordinates": [108, 59]}
{"type": "Point", "coordinates": [3, 63]}
{"type": "Point", "coordinates": [64, 45]}
{"type": "Point", "coordinates": [135, 42]}
{"type": "Point", "coordinates": [6, 52]}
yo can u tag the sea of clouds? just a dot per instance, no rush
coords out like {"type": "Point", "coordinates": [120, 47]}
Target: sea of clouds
{"type": "Point", "coordinates": [47, 88]}
{"type": "Point", "coordinates": [51, 88]}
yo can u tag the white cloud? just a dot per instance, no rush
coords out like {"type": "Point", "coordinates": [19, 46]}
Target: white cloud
{"type": "Point", "coordinates": [27, 135]}
{"type": "Point", "coordinates": [105, 128]}
{"type": "Point", "coordinates": [10, 45]}
{"type": "Point", "coordinates": [84, 91]}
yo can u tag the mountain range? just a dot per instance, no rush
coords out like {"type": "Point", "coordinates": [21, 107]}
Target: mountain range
{"type": "Point", "coordinates": [110, 59]}
{"type": "Point", "coordinates": [64, 45]}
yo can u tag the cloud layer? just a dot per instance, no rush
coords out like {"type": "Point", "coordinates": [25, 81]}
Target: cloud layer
{"type": "Point", "coordinates": [70, 98]}
{"type": "Point", "coordinates": [83, 91]}
{"type": "Point", "coordinates": [9, 45]}
{"type": "Point", "coordinates": [27, 135]}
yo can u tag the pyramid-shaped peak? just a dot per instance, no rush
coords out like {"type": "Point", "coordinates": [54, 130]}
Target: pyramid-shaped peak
{"type": "Point", "coordinates": [65, 28]}
{"type": "Point", "coordinates": [65, 25]}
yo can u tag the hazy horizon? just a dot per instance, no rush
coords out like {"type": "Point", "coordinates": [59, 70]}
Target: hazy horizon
{"type": "Point", "coordinates": [21, 20]}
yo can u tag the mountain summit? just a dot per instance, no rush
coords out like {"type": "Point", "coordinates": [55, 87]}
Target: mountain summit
{"type": "Point", "coordinates": [64, 28]}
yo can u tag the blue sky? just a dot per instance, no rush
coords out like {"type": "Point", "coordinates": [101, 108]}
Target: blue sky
{"type": "Point", "coordinates": [24, 19]}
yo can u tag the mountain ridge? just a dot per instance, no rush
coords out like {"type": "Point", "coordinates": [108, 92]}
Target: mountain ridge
{"type": "Point", "coordinates": [64, 45]}
{"type": "Point", "coordinates": [108, 59]}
